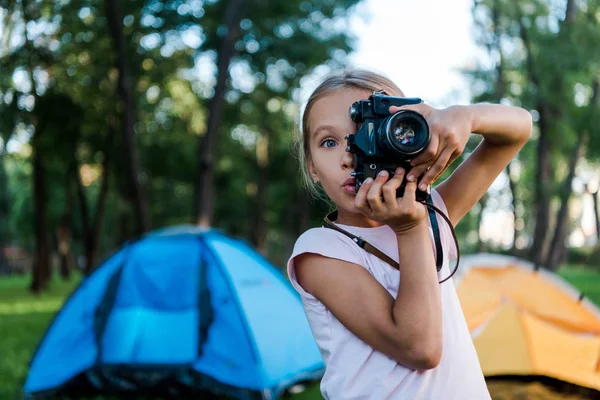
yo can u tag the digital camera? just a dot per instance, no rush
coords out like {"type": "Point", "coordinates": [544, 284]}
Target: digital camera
{"type": "Point", "coordinates": [386, 141]}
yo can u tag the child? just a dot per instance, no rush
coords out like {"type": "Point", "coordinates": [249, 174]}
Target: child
{"type": "Point", "coordinates": [386, 333]}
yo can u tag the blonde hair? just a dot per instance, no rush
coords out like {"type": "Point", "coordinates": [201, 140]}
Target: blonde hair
{"type": "Point", "coordinates": [336, 82]}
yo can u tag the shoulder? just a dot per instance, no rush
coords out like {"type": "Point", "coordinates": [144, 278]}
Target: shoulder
{"type": "Point", "coordinates": [328, 243]}
{"type": "Point", "coordinates": [324, 238]}
{"type": "Point", "coordinates": [322, 244]}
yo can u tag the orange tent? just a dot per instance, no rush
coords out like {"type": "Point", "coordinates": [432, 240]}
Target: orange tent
{"type": "Point", "coordinates": [529, 322]}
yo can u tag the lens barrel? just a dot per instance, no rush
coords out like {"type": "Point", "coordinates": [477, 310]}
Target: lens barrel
{"type": "Point", "coordinates": [404, 134]}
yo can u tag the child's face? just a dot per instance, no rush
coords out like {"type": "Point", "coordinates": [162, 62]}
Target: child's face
{"type": "Point", "coordinates": [330, 163]}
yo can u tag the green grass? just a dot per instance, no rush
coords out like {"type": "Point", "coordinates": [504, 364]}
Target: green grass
{"type": "Point", "coordinates": [24, 319]}
{"type": "Point", "coordinates": [584, 279]}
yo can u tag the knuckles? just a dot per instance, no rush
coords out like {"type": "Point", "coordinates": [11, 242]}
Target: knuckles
{"type": "Point", "coordinates": [429, 153]}
{"type": "Point", "coordinates": [372, 196]}
{"type": "Point", "coordinates": [452, 139]}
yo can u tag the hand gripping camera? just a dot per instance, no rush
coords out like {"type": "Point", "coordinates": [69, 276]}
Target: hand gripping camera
{"type": "Point", "coordinates": [386, 141]}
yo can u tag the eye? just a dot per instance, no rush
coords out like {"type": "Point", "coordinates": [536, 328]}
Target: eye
{"type": "Point", "coordinates": [327, 143]}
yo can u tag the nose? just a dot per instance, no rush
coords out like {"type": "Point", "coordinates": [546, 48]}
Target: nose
{"type": "Point", "coordinates": [347, 160]}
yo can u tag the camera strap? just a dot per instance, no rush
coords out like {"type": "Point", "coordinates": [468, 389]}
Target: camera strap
{"type": "Point", "coordinates": [328, 222]}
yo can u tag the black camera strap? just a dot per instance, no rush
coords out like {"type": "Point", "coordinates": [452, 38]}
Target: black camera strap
{"type": "Point", "coordinates": [328, 222]}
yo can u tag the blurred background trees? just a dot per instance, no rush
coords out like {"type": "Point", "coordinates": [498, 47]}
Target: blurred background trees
{"type": "Point", "coordinates": [118, 117]}
{"type": "Point", "coordinates": [545, 58]}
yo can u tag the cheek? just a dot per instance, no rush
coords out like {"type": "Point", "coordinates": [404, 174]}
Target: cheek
{"type": "Point", "coordinates": [322, 162]}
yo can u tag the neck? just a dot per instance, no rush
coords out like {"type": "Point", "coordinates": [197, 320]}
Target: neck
{"type": "Point", "coordinates": [356, 219]}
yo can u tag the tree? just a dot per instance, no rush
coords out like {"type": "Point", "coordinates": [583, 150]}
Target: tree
{"type": "Point", "coordinates": [125, 94]}
{"type": "Point", "coordinates": [284, 40]}
{"type": "Point", "coordinates": [549, 54]}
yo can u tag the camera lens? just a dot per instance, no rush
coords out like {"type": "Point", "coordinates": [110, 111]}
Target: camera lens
{"type": "Point", "coordinates": [404, 134]}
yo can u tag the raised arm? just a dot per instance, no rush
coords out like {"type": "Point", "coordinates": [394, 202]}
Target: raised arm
{"type": "Point", "coordinates": [505, 131]}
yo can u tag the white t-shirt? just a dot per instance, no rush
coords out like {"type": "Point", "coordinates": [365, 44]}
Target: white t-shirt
{"type": "Point", "coordinates": [354, 370]}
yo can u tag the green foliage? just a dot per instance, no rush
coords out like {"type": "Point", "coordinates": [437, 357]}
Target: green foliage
{"type": "Point", "coordinates": [539, 59]}
{"type": "Point", "coordinates": [171, 49]}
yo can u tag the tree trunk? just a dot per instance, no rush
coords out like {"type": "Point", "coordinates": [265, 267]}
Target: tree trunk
{"type": "Point", "coordinates": [597, 212]}
{"type": "Point", "coordinates": [7, 25]}
{"type": "Point", "coordinates": [512, 184]}
{"type": "Point", "coordinates": [125, 93]}
{"type": "Point", "coordinates": [93, 229]}
{"type": "Point", "coordinates": [299, 217]}
{"type": "Point", "coordinates": [571, 11]}
{"type": "Point", "coordinates": [92, 253]}
{"type": "Point", "coordinates": [593, 107]}
{"type": "Point", "coordinates": [542, 195]}
{"type": "Point", "coordinates": [499, 92]}
{"type": "Point", "coordinates": [480, 243]}
{"type": "Point", "coordinates": [41, 262]}
{"type": "Point", "coordinates": [64, 248]}
{"type": "Point", "coordinates": [304, 207]}
{"type": "Point", "coordinates": [543, 162]}
{"type": "Point", "coordinates": [499, 87]}
{"type": "Point", "coordinates": [260, 230]}
{"type": "Point", "coordinates": [207, 149]}
{"type": "Point", "coordinates": [541, 253]}
{"type": "Point", "coordinates": [557, 248]}
{"type": "Point", "coordinates": [64, 235]}
{"type": "Point", "coordinates": [4, 207]}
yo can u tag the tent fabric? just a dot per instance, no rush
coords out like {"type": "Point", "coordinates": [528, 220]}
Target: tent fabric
{"type": "Point", "coordinates": [528, 321]}
{"type": "Point", "coordinates": [180, 309]}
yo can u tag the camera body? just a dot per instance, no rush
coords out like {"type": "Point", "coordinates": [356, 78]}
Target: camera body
{"type": "Point", "coordinates": [386, 141]}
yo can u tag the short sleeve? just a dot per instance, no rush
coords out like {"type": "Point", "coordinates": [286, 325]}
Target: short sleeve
{"type": "Point", "coordinates": [445, 230]}
{"type": "Point", "coordinates": [328, 243]}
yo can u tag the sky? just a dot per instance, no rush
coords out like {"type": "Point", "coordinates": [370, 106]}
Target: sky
{"type": "Point", "coordinates": [419, 44]}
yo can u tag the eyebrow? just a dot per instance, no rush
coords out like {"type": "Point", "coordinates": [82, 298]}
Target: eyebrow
{"type": "Point", "coordinates": [323, 128]}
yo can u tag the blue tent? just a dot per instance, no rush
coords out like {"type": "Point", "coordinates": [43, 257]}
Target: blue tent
{"type": "Point", "coordinates": [179, 311]}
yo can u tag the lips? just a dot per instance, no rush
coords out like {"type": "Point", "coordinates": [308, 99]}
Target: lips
{"type": "Point", "coordinates": [350, 182]}
{"type": "Point", "coordinates": [350, 186]}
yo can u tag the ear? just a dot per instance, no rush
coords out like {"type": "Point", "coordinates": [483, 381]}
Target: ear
{"type": "Point", "coordinates": [312, 170]}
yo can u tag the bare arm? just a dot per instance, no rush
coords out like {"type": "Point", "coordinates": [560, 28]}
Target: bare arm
{"type": "Point", "coordinates": [505, 131]}
{"type": "Point", "coordinates": [407, 329]}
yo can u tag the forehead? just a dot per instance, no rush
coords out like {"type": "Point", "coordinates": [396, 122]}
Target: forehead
{"type": "Point", "coordinates": [333, 108]}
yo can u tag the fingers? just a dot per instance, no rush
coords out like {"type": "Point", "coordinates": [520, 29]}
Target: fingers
{"type": "Point", "coordinates": [410, 196]}
{"type": "Point", "coordinates": [360, 201]}
{"type": "Point", "coordinates": [368, 199]}
{"type": "Point", "coordinates": [389, 189]}
{"type": "Point", "coordinates": [374, 195]}
{"type": "Point", "coordinates": [453, 158]}
{"type": "Point", "coordinates": [421, 108]}
{"type": "Point", "coordinates": [419, 168]}
{"type": "Point", "coordinates": [429, 154]}
{"type": "Point", "coordinates": [436, 169]}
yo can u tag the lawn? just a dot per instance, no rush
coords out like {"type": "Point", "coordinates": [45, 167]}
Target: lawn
{"type": "Point", "coordinates": [24, 318]}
